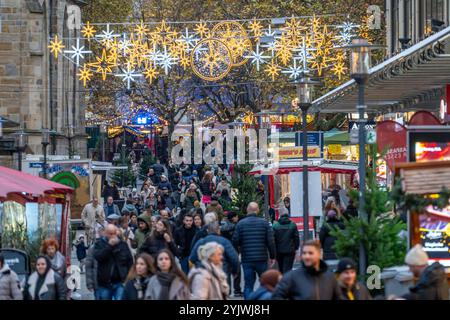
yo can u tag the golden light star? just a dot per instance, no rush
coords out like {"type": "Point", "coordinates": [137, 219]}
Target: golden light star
{"type": "Point", "coordinates": [85, 74]}
{"type": "Point", "coordinates": [150, 73]}
{"type": "Point", "coordinates": [256, 28]}
{"type": "Point", "coordinates": [56, 46]}
{"type": "Point", "coordinates": [88, 31]}
{"type": "Point", "coordinates": [211, 60]}
{"type": "Point", "coordinates": [201, 29]}
{"type": "Point", "coordinates": [273, 70]}
{"type": "Point", "coordinates": [141, 30]}
{"type": "Point", "coordinates": [103, 64]}
{"type": "Point", "coordinates": [339, 69]}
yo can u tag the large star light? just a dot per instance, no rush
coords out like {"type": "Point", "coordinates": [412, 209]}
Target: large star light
{"type": "Point", "coordinates": [257, 57]}
{"type": "Point", "coordinates": [129, 75]}
{"type": "Point", "coordinates": [77, 52]}
{"type": "Point", "coordinates": [166, 61]}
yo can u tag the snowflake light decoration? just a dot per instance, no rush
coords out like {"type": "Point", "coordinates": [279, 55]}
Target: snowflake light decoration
{"type": "Point", "coordinates": [107, 36]}
{"type": "Point", "coordinates": [129, 75]}
{"type": "Point", "coordinates": [166, 60]}
{"type": "Point", "coordinates": [257, 57]}
{"type": "Point", "coordinates": [77, 52]}
{"type": "Point", "coordinates": [294, 71]}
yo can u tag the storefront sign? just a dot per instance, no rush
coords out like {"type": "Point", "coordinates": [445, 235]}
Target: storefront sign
{"type": "Point", "coordinates": [297, 152]}
{"type": "Point", "coordinates": [391, 139]}
{"type": "Point", "coordinates": [36, 164]}
{"type": "Point", "coordinates": [354, 125]}
{"type": "Point", "coordinates": [335, 148]}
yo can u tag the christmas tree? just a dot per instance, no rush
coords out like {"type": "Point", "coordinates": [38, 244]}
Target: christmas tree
{"type": "Point", "coordinates": [245, 187]}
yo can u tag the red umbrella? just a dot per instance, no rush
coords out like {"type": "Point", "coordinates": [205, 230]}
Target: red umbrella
{"type": "Point", "coordinates": [13, 181]}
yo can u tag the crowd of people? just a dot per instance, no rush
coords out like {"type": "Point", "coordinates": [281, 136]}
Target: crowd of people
{"type": "Point", "coordinates": [173, 240]}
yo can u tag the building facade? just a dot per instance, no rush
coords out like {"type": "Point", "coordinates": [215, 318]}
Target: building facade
{"type": "Point", "coordinates": [413, 20]}
{"type": "Point", "coordinates": [36, 90]}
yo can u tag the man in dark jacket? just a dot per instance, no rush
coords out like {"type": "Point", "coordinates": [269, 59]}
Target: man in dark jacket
{"type": "Point", "coordinates": [254, 238]}
{"type": "Point", "coordinates": [432, 283]}
{"type": "Point", "coordinates": [287, 242]}
{"type": "Point", "coordinates": [231, 258]}
{"type": "Point", "coordinates": [163, 183]}
{"type": "Point", "coordinates": [110, 207]}
{"type": "Point", "coordinates": [114, 261]}
{"type": "Point", "coordinates": [350, 288]}
{"type": "Point", "coordinates": [183, 238]}
{"type": "Point", "coordinates": [312, 281]}
{"type": "Point", "coordinates": [153, 177]}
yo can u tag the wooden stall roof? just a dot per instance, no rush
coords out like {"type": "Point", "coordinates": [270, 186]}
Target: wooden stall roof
{"type": "Point", "coordinates": [424, 177]}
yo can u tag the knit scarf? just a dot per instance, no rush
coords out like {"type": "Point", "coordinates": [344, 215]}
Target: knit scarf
{"type": "Point", "coordinates": [165, 279]}
{"type": "Point", "coordinates": [218, 273]}
{"type": "Point", "coordinates": [140, 284]}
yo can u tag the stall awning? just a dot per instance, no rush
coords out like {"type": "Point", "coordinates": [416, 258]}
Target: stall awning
{"type": "Point", "coordinates": [16, 182]}
{"type": "Point", "coordinates": [409, 81]}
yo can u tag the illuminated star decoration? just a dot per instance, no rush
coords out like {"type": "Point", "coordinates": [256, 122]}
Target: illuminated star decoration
{"type": "Point", "coordinates": [304, 54]}
{"type": "Point", "coordinates": [125, 45]}
{"type": "Point", "coordinates": [347, 32]}
{"type": "Point", "coordinates": [256, 28]}
{"type": "Point", "coordinates": [166, 61]}
{"type": "Point", "coordinates": [294, 71]}
{"type": "Point", "coordinates": [103, 64]}
{"type": "Point", "coordinates": [273, 70]}
{"type": "Point", "coordinates": [257, 57]}
{"type": "Point", "coordinates": [141, 30]}
{"type": "Point", "coordinates": [189, 39]}
{"type": "Point", "coordinates": [77, 52]}
{"type": "Point", "coordinates": [201, 29]}
{"type": "Point", "coordinates": [85, 74]}
{"type": "Point", "coordinates": [56, 46]}
{"type": "Point", "coordinates": [107, 36]}
{"type": "Point", "coordinates": [88, 31]}
{"type": "Point", "coordinates": [129, 75]}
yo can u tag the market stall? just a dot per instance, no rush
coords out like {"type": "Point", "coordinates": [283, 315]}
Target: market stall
{"type": "Point", "coordinates": [32, 208]}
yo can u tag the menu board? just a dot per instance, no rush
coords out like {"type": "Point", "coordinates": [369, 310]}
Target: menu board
{"type": "Point", "coordinates": [434, 226]}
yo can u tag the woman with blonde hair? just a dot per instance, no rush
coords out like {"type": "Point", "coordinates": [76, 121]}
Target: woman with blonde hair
{"type": "Point", "coordinates": [208, 280]}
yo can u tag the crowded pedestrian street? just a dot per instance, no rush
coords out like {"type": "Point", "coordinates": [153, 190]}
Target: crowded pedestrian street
{"type": "Point", "coordinates": [216, 157]}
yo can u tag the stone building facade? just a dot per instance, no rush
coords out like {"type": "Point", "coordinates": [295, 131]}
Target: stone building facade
{"type": "Point", "coordinates": [36, 90]}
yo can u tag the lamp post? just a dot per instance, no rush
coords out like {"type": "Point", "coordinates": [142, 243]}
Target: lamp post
{"type": "Point", "coordinates": [21, 141]}
{"type": "Point", "coordinates": [265, 124]}
{"type": "Point", "coordinates": [192, 138]}
{"type": "Point", "coordinates": [359, 71]}
{"type": "Point", "coordinates": [70, 134]}
{"type": "Point", "coordinates": [305, 88]}
{"type": "Point", "coordinates": [45, 142]}
{"type": "Point", "coordinates": [124, 145]}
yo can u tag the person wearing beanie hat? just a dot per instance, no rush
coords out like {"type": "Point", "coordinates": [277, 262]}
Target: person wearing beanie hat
{"type": "Point", "coordinates": [346, 275]}
{"type": "Point", "coordinates": [432, 283]}
{"type": "Point", "coordinates": [269, 281]}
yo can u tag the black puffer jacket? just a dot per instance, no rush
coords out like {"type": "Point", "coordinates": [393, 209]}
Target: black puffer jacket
{"type": "Point", "coordinates": [156, 243]}
{"type": "Point", "coordinates": [254, 238]}
{"type": "Point", "coordinates": [112, 260]}
{"type": "Point", "coordinates": [432, 284]}
{"type": "Point", "coordinates": [183, 239]}
{"type": "Point", "coordinates": [308, 284]}
{"type": "Point", "coordinates": [286, 235]}
{"type": "Point", "coordinates": [327, 240]}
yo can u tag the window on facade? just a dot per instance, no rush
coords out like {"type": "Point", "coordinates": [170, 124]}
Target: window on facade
{"type": "Point", "coordinates": [434, 9]}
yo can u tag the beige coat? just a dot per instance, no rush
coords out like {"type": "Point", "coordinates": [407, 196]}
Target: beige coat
{"type": "Point", "coordinates": [208, 286]}
{"type": "Point", "coordinates": [177, 291]}
{"type": "Point", "coordinates": [9, 285]}
{"type": "Point", "coordinates": [91, 214]}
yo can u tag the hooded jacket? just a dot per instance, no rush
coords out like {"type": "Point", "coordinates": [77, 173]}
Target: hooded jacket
{"type": "Point", "coordinates": [432, 284]}
{"type": "Point", "coordinates": [286, 236]}
{"type": "Point", "coordinates": [9, 284]}
{"type": "Point", "coordinates": [308, 283]}
{"type": "Point", "coordinates": [140, 236]}
{"type": "Point", "coordinates": [155, 243]}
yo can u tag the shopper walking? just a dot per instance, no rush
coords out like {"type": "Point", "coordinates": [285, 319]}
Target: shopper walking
{"type": "Point", "coordinates": [9, 282]}
{"type": "Point", "coordinates": [92, 213]}
{"type": "Point", "coordinates": [287, 242]}
{"type": "Point", "coordinates": [138, 277]}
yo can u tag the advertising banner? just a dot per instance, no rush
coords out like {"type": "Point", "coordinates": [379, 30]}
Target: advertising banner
{"type": "Point", "coordinates": [297, 152]}
{"type": "Point", "coordinates": [391, 139]}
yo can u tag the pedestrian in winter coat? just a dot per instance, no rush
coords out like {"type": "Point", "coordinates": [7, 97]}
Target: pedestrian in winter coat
{"type": "Point", "coordinates": [143, 231]}
{"type": "Point", "coordinates": [160, 238]}
{"type": "Point", "coordinates": [169, 282]}
{"type": "Point", "coordinates": [92, 214]}
{"type": "Point", "coordinates": [44, 283]}
{"type": "Point", "coordinates": [91, 266]}
{"type": "Point", "coordinates": [138, 277]}
{"type": "Point", "coordinates": [192, 195]}
{"type": "Point", "coordinates": [228, 225]}
{"type": "Point", "coordinates": [350, 288]}
{"type": "Point", "coordinates": [326, 239]}
{"type": "Point", "coordinates": [254, 239]}
{"type": "Point", "coordinates": [50, 249]}
{"type": "Point", "coordinates": [9, 283]}
{"type": "Point", "coordinates": [129, 207]}
{"type": "Point", "coordinates": [312, 281]}
{"type": "Point", "coordinates": [164, 183]}
{"type": "Point", "coordinates": [208, 280]}
{"type": "Point", "coordinates": [269, 281]}
{"type": "Point", "coordinates": [111, 208]}
{"type": "Point", "coordinates": [114, 261]}
{"type": "Point", "coordinates": [203, 231]}
{"type": "Point", "coordinates": [214, 206]}
{"type": "Point", "coordinates": [183, 238]}
{"type": "Point", "coordinates": [231, 258]}
{"type": "Point", "coordinates": [287, 242]}
{"type": "Point", "coordinates": [432, 283]}
{"type": "Point", "coordinates": [81, 250]}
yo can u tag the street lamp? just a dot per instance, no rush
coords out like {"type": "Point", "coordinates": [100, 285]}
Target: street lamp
{"type": "Point", "coordinates": [45, 142]}
{"type": "Point", "coordinates": [192, 137]}
{"type": "Point", "coordinates": [305, 88]}
{"type": "Point", "coordinates": [359, 71]}
{"type": "Point", "coordinates": [20, 141]}
{"type": "Point", "coordinates": [70, 134]}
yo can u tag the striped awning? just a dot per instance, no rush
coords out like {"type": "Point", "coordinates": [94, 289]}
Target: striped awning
{"type": "Point", "coordinates": [411, 80]}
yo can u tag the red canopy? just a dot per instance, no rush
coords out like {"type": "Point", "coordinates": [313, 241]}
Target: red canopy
{"type": "Point", "coordinates": [13, 181]}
